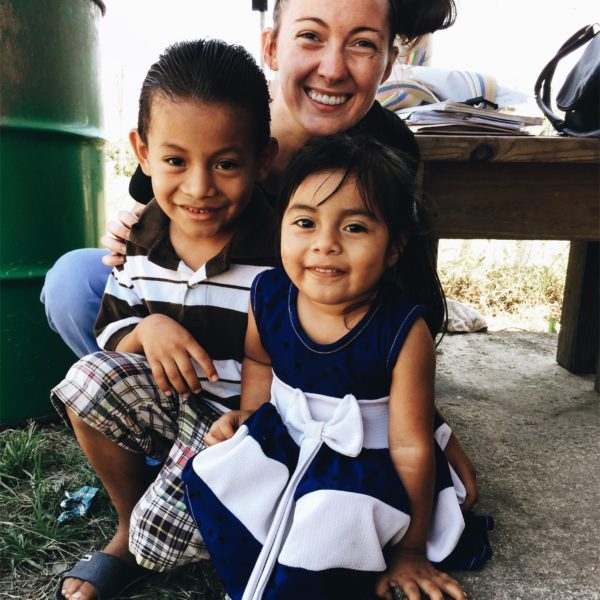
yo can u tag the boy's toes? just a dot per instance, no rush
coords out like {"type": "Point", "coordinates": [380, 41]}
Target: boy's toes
{"type": "Point", "coordinates": [75, 589]}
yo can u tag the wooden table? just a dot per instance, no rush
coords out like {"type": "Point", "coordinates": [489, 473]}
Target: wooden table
{"type": "Point", "coordinates": [527, 188]}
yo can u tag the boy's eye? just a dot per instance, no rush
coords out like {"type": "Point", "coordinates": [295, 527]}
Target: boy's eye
{"type": "Point", "coordinates": [304, 223]}
{"type": "Point", "coordinates": [355, 228]}
{"type": "Point", "coordinates": [226, 165]}
{"type": "Point", "coordinates": [175, 161]}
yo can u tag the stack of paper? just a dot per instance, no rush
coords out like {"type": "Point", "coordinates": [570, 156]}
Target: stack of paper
{"type": "Point", "coordinates": [463, 119]}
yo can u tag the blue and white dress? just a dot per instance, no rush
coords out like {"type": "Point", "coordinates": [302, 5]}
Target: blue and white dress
{"type": "Point", "coordinates": [303, 500]}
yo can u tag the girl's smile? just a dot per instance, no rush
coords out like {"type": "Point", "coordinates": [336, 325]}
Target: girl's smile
{"type": "Point", "coordinates": [334, 250]}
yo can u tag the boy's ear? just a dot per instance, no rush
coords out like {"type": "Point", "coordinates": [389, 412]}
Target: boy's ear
{"type": "Point", "coordinates": [391, 59]}
{"type": "Point", "coordinates": [266, 158]}
{"type": "Point", "coordinates": [396, 250]}
{"type": "Point", "coordinates": [268, 44]}
{"type": "Point", "coordinates": [140, 150]}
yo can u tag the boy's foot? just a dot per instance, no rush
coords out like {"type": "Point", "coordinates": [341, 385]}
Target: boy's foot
{"type": "Point", "coordinates": [104, 574]}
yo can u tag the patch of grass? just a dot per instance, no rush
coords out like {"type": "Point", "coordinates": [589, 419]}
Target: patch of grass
{"type": "Point", "coordinates": [37, 465]}
{"type": "Point", "coordinates": [501, 290]}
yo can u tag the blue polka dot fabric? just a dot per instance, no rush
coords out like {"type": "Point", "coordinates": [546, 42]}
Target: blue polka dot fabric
{"type": "Point", "coordinates": [304, 501]}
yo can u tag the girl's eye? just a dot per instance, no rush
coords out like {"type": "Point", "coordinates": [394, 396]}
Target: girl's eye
{"type": "Point", "coordinates": [175, 161]}
{"type": "Point", "coordinates": [355, 228]}
{"type": "Point", "coordinates": [226, 165]}
{"type": "Point", "coordinates": [304, 223]}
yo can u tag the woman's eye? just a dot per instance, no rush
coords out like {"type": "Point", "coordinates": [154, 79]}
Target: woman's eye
{"type": "Point", "coordinates": [308, 35]}
{"type": "Point", "coordinates": [355, 228]}
{"type": "Point", "coordinates": [175, 161]}
{"type": "Point", "coordinates": [366, 45]}
{"type": "Point", "coordinates": [304, 223]}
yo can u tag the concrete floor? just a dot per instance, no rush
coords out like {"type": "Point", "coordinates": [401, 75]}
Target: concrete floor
{"type": "Point", "coordinates": [531, 428]}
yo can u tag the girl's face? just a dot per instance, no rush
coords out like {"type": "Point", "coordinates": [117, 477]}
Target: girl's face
{"type": "Point", "coordinates": [335, 253]}
{"type": "Point", "coordinates": [330, 57]}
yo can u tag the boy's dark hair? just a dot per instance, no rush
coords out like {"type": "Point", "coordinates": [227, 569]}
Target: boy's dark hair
{"type": "Point", "coordinates": [208, 71]}
{"type": "Point", "coordinates": [386, 184]}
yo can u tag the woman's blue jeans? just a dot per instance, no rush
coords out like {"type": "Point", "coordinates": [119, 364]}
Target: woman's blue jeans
{"type": "Point", "coordinates": [71, 295]}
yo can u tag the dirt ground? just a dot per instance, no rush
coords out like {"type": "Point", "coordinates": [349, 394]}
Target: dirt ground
{"type": "Point", "coordinates": [531, 428]}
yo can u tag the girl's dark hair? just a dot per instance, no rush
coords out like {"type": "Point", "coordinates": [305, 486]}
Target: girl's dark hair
{"type": "Point", "coordinates": [208, 71]}
{"type": "Point", "coordinates": [408, 19]}
{"type": "Point", "coordinates": [385, 181]}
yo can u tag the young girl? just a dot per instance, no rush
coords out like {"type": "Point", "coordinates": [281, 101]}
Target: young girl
{"type": "Point", "coordinates": [336, 484]}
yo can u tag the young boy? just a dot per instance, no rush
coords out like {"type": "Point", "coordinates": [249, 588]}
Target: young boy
{"type": "Point", "coordinates": [173, 317]}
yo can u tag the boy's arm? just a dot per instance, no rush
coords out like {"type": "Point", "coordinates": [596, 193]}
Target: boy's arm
{"type": "Point", "coordinates": [125, 325]}
{"type": "Point", "coordinates": [169, 349]}
{"type": "Point", "coordinates": [412, 453]}
{"type": "Point", "coordinates": [121, 309]}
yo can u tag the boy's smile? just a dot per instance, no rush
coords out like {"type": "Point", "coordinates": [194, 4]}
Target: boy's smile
{"type": "Point", "coordinates": [203, 162]}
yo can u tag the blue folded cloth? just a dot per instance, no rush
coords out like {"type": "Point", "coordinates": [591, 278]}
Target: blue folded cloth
{"type": "Point", "coordinates": [77, 503]}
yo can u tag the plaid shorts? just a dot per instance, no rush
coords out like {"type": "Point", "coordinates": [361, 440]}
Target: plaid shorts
{"type": "Point", "coordinates": [115, 394]}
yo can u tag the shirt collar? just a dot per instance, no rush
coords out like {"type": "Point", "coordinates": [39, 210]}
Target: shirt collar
{"type": "Point", "coordinates": [252, 242]}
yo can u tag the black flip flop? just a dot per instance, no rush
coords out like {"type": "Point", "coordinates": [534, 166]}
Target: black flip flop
{"type": "Point", "coordinates": [110, 576]}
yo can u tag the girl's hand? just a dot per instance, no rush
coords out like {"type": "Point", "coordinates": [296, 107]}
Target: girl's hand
{"type": "Point", "coordinates": [414, 574]}
{"type": "Point", "coordinates": [118, 234]}
{"type": "Point", "coordinates": [170, 349]}
{"type": "Point", "coordinates": [226, 426]}
{"type": "Point", "coordinates": [464, 468]}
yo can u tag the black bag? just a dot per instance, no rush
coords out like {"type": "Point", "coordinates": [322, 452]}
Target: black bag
{"type": "Point", "coordinates": [579, 96]}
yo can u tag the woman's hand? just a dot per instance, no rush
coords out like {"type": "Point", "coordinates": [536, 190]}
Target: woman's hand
{"type": "Point", "coordinates": [413, 573]}
{"type": "Point", "coordinates": [226, 426]}
{"type": "Point", "coordinates": [170, 349]}
{"type": "Point", "coordinates": [118, 233]}
{"type": "Point", "coordinates": [464, 468]}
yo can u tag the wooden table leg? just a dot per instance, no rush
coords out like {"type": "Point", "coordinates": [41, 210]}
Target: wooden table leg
{"type": "Point", "coordinates": [579, 338]}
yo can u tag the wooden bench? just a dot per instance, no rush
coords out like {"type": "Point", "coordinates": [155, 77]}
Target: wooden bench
{"type": "Point", "coordinates": [527, 188]}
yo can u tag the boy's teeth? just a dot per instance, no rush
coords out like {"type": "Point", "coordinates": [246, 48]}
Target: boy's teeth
{"type": "Point", "coordinates": [325, 99]}
{"type": "Point", "coordinates": [197, 210]}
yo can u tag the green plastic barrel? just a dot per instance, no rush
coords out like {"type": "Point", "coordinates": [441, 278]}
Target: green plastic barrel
{"type": "Point", "coordinates": [51, 181]}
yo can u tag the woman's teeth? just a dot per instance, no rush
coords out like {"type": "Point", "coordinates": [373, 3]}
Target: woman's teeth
{"type": "Point", "coordinates": [325, 99]}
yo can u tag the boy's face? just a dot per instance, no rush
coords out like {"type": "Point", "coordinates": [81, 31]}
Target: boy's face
{"type": "Point", "coordinates": [203, 162]}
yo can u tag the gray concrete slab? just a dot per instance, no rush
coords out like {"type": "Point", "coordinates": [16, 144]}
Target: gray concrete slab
{"type": "Point", "coordinates": [532, 430]}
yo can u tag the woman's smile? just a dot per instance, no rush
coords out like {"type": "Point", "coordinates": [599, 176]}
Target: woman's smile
{"type": "Point", "coordinates": [327, 99]}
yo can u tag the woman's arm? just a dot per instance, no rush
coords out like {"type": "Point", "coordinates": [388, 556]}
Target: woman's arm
{"type": "Point", "coordinates": [412, 452]}
{"type": "Point", "coordinates": [115, 239]}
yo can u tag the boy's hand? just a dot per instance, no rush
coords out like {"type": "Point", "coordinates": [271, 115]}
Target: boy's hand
{"type": "Point", "coordinates": [464, 468]}
{"type": "Point", "coordinates": [118, 233]}
{"type": "Point", "coordinates": [413, 574]}
{"type": "Point", "coordinates": [169, 349]}
{"type": "Point", "coordinates": [226, 426]}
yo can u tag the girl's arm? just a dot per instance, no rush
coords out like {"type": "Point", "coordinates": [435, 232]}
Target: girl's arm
{"type": "Point", "coordinates": [256, 369]}
{"type": "Point", "coordinates": [412, 452]}
{"type": "Point", "coordinates": [464, 468]}
{"type": "Point", "coordinates": [256, 386]}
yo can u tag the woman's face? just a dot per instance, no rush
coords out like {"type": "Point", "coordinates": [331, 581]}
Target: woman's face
{"type": "Point", "coordinates": [330, 58]}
